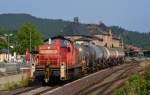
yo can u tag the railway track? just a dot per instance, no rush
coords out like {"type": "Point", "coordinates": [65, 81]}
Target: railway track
{"type": "Point", "coordinates": [34, 89]}
{"type": "Point", "coordinates": [38, 91]}
{"type": "Point", "coordinates": [16, 91]}
{"type": "Point", "coordinates": [110, 83]}
{"type": "Point", "coordinates": [84, 85]}
{"type": "Point", "coordinates": [110, 76]}
{"type": "Point", "coordinates": [101, 85]}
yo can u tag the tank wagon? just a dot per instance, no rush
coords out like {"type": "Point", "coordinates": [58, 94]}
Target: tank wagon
{"type": "Point", "coordinates": [60, 58]}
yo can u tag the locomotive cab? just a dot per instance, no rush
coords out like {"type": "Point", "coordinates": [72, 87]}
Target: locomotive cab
{"type": "Point", "coordinates": [53, 52]}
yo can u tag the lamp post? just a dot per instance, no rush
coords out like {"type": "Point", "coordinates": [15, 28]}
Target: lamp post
{"type": "Point", "coordinates": [8, 38]}
{"type": "Point", "coordinates": [30, 47]}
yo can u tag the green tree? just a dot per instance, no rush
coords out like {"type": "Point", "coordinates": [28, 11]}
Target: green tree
{"type": "Point", "coordinates": [3, 42]}
{"type": "Point", "coordinates": [23, 37]}
{"type": "Point", "coordinates": [147, 47]}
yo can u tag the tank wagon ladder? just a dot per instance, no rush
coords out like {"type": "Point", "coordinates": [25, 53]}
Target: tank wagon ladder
{"type": "Point", "coordinates": [84, 67]}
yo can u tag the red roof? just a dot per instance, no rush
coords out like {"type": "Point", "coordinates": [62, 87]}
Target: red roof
{"type": "Point", "coordinates": [135, 48]}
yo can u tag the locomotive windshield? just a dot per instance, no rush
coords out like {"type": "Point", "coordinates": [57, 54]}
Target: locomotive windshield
{"type": "Point", "coordinates": [64, 43]}
{"type": "Point", "coordinates": [53, 41]}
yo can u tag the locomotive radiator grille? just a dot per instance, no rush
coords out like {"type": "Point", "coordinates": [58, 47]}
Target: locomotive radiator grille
{"type": "Point", "coordinates": [47, 59]}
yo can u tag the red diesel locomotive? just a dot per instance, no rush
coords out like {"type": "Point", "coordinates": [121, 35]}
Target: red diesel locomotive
{"type": "Point", "coordinates": [57, 58]}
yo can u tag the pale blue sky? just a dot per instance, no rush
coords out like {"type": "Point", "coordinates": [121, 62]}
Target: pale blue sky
{"type": "Point", "coordinates": [129, 14]}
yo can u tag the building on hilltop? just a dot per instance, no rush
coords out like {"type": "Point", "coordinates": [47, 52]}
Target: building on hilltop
{"type": "Point", "coordinates": [76, 31]}
{"type": "Point", "coordinates": [98, 34]}
{"type": "Point", "coordinates": [104, 33]}
{"type": "Point", "coordinates": [117, 41]}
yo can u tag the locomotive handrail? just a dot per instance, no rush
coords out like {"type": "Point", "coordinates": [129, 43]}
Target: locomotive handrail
{"type": "Point", "coordinates": [49, 61]}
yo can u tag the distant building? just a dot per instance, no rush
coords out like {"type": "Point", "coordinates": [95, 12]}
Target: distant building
{"type": "Point", "coordinates": [75, 31]}
{"type": "Point", "coordinates": [3, 55]}
{"type": "Point", "coordinates": [98, 34]}
{"type": "Point", "coordinates": [104, 33]}
{"type": "Point", "coordinates": [133, 50]}
{"type": "Point", "coordinates": [117, 42]}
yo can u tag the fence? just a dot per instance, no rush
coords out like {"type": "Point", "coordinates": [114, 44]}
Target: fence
{"type": "Point", "coordinates": [11, 68]}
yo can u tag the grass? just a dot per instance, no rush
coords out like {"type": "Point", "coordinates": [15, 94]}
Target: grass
{"type": "Point", "coordinates": [15, 85]}
{"type": "Point", "coordinates": [136, 84]}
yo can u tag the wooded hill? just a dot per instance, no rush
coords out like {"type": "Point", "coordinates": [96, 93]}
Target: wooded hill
{"type": "Point", "coordinates": [48, 27]}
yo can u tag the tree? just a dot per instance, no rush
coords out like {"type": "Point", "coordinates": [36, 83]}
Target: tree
{"type": "Point", "coordinates": [23, 37]}
{"type": "Point", "coordinates": [147, 47]}
{"type": "Point", "coordinates": [3, 42]}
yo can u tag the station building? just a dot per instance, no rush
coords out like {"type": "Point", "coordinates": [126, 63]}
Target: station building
{"type": "Point", "coordinates": [105, 35]}
{"type": "Point", "coordinates": [98, 34]}
{"type": "Point", "coordinates": [3, 55]}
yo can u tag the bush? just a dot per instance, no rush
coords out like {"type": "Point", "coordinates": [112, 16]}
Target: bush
{"type": "Point", "coordinates": [9, 85]}
{"type": "Point", "coordinates": [136, 85]}
{"type": "Point", "coordinates": [14, 85]}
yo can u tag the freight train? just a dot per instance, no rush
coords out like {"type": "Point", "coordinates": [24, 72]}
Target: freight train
{"type": "Point", "coordinates": [63, 59]}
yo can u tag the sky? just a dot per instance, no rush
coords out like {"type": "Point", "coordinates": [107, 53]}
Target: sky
{"type": "Point", "coordinates": [129, 14]}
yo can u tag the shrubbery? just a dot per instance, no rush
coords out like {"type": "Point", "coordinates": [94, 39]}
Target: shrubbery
{"type": "Point", "coordinates": [14, 85]}
{"type": "Point", "coordinates": [136, 84]}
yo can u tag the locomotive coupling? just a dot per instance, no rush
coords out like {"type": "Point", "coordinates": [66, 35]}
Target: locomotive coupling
{"type": "Point", "coordinates": [47, 74]}
{"type": "Point", "coordinates": [63, 71]}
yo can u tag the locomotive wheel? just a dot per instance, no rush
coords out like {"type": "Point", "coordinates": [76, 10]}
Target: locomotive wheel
{"type": "Point", "coordinates": [44, 83]}
{"type": "Point", "coordinates": [78, 72]}
{"type": "Point", "coordinates": [100, 65]}
{"type": "Point", "coordinates": [70, 74]}
{"type": "Point", "coordinates": [105, 64]}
